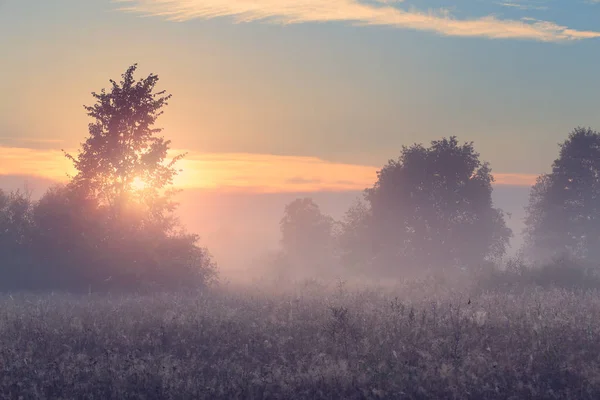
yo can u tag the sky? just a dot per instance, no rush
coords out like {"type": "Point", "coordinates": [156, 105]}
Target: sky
{"type": "Point", "coordinates": [286, 97]}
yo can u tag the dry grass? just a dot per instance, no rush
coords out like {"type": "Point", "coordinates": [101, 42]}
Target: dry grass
{"type": "Point", "coordinates": [312, 344]}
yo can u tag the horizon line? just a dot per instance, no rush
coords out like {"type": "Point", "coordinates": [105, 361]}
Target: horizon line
{"type": "Point", "coordinates": [233, 172]}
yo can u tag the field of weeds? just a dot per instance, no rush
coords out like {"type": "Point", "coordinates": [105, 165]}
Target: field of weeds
{"type": "Point", "coordinates": [311, 343]}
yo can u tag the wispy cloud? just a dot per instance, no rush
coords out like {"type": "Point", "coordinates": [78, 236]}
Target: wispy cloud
{"type": "Point", "coordinates": [29, 140]}
{"type": "Point", "coordinates": [515, 179]}
{"type": "Point", "coordinates": [380, 13]}
{"type": "Point", "coordinates": [271, 173]}
{"type": "Point", "coordinates": [49, 164]}
{"type": "Point", "coordinates": [522, 6]}
{"type": "Point", "coordinates": [244, 172]}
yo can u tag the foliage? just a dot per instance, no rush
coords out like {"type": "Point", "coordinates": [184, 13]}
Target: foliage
{"type": "Point", "coordinates": [431, 207]}
{"type": "Point", "coordinates": [307, 237]}
{"type": "Point", "coordinates": [563, 215]}
{"type": "Point", "coordinates": [112, 227]}
{"type": "Point", "coordinates": [561, 272]}
{"type": "Point", "coordinates": [69, 232]}
{"type": "Point", "coordinates": [16, 227]}
{"type": "Point", "coordinates": [352, 236]}
{"type": "Point", "coordinates": [365, 344]}
{"type": "Point", "coordinates": [123, 146]}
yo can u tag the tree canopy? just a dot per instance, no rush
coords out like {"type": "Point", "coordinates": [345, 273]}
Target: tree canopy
{"type": "Point", "coordinates": [307, 237]}
{"type": "Point", "coordinates": [113, 226]}
{"type": "Point", "coordinates": [431, 208]}
{"type": "Point", "coordinates": [123, 146]}
{"type": "Point", "coordinates": [563, 215]}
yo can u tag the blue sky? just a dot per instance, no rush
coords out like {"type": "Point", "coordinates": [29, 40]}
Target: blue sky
{"type": "Point", "coordinates": [334, 90]}
{"type": "Point", "coordinates": [279, 92]}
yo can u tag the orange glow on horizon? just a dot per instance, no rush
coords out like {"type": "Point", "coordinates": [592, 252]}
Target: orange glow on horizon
{"type": "Point", "coordinates": [244, 172]}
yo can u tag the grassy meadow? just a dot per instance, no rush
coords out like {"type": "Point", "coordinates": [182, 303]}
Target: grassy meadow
{"type": "Point", "coordinates": [309, 342]}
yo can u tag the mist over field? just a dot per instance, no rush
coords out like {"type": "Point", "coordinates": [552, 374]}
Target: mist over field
{"type": "Point", "coordinates": [249, 222]}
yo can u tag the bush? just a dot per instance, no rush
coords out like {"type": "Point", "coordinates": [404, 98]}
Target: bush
{"type": "Point", "coordinates": [563, 272]}
{"type": "Point", "coordinates": [16, 227]}
{"type": "Point", "coordinates": [66, 242]}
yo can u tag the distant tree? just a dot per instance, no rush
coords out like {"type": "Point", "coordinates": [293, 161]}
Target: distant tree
{"type": "Point", "coordinates": [563, 215]}
{"type": "Point", "coordinates": [354, 236]}
{"type": "Point", "coordinates": [307, 237]}
{"type": "Point", "coordinates": [430, 209]}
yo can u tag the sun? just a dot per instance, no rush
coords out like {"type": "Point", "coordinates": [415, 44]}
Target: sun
{"type": "Point", "coordinates": [139, 184]}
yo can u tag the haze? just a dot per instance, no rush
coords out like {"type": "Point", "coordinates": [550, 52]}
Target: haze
{"type": "Point", "coordinates": [301, 98]}
{"type": "Point", "coordinates": [374, 199]}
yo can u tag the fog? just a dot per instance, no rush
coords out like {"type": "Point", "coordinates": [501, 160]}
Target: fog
{"type": "Point", "coordinates": [435, 282]}
{"type": "Point", "coordinates": [414, 287]}
{"type": "Point", "coordinates": [249, 222]}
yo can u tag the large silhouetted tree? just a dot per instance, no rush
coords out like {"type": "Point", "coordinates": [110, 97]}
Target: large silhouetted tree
{"type": "Point", "coordinates": [124, 157]}
{"type": "Point", "coordinates": [113, 225]}
{"type": "Point", "coordinates": [431, 208]}
{"type": "Point", "coordinates": [563, 215]}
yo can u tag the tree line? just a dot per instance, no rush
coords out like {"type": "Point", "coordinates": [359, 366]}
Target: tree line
{"type": "Point", "coordinates": [431, 210]}
{"type": "Point", "coordinates": [113, 225]}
